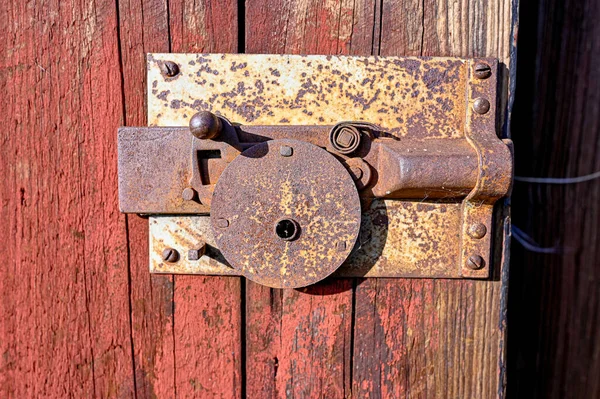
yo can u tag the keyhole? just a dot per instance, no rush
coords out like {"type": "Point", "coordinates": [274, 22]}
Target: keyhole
{"type": "Point", "coordinates": [287, 229]}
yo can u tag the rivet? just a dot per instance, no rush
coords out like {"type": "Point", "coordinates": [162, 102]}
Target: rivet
{"type": "Point", "coordinates": [286, 151]}
{"type": "Point", "coordinates": [482, 70]}
{"type": "Point", "coordinates": [170, 255]}
{"type": "Point", "coordinates": [188, 194]}
{"type": "Point", "coordinates": [205, 125]}
{"type": "Point", "coordinates": [481, 105]}
{"type": "Point", "coordinates": [475, 262]}
{"type": "Point", "coordinates": [169, 68]}
{"type": "Point", "coordinates": [222, 223]}
{"type": "Point", "coordinates": [477, 230]}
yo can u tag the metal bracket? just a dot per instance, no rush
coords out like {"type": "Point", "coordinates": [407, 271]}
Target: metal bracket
{"type": "Point", "coordinates": [425, 158]}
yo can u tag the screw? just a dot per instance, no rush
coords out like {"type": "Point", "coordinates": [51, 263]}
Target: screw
{"type": "Point", "coordinates": [482, 71]}
{"type": "Point", "coordinates": [475, 262]}
{"type": "Point", "coordinates": [477, 230]}
{"type": "Point", "coordinates": [286, 151]}
{"type": "Point", "coordinates": [222, 223]}
{"type": "Point", "coordinates": [481, 105]}
{"type": "Point", "coordinates": [195, 254]}
{"type": "Point", "coordinates": [205, 125]}
{"type": "Point", "coordinates": [169, 68]}
{"type": "Point", "coordinates": [188, 194]}
{"type": "Point", "coordinates": [170, 255]}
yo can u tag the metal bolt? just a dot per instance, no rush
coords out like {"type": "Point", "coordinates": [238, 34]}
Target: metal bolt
{"type": "Point", "coordinates": [477, 230]}
{"type": "Point", "coordinates": [286, 151]}
{"type": "Point", "coordinates": [346, 138]}
{"type": "Point", "coordinates": [475, 262]}
{"type": "Point", "coordinates": [188, 194]}
{"type": "Point", "coordinates": [481, 105]}
{"type": "Point", "coordinates": [482, 71]}
{"type": "Point", "coordinates": [169, 68]}
{"type": "Point", "coordinates": [195, 254]}
{"type": "Point", "coordinates": [205, 125]}
{"type": "Point", "coordinates": [170, 255]}
{"type": "Point", "coordinates": [222, 223]}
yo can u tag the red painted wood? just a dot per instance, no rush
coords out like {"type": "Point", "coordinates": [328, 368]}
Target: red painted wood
{"type": "Point", "coordinates": [208, 314]}
{"type": "Point", "coordinates": [144, 28]}
{"type": "Point", "coordinates": [65, 328]}
{"type": "Point", "coordinates": [298, 342]}
{"type": "Point", "coordinates": [80, 315]}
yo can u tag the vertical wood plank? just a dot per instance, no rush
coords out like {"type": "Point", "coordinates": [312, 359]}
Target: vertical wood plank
{"type": "Point", "coordinates": [448, 335]}
{"type": "Point", "coordinates": [207, 310]}
{"type": "Point", "coordinates": [299, 342]}
{"type": "Point", "coordinates": [144, 28]}
{"type": "Point", "coordinates": [65, 325]}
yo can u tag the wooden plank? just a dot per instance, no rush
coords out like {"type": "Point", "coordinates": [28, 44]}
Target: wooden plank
{"type": "Point", "coordinates": [442, 338]}
{"type": "Point", "coordinates": [411, 338]}
{"type": "Point", "coordinates": [208, 312]}
{"type": "Point", "coordinates": [555, 298]}
{"type": "Point", "coordinates": [144, 28]}
{"type": "Point", "coordinates": [65, 326]}
{"type": "Point", "coordinates": [298, 342]}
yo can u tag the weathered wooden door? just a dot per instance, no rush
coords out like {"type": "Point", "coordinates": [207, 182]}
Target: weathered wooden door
{"type": "Point", "coordinates": [82, 317]}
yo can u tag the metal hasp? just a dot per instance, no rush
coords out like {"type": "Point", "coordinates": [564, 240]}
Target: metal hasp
{"type": "Point", "coordinates": [289, 169]}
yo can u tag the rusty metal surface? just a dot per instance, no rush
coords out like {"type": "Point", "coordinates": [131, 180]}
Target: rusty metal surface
{"type": "Point", "coordinates": [397, 239]}
{"type": "Point", "coordinates": [440, 147]}
{"type": "Point", "coordinates": [494, 175]}
{"type": "Point", "coordinates": [285, 213]}
{"type": "Point", "coordinates": [152, 181]}
{"type": "Point", "coordinates": [410, 96]}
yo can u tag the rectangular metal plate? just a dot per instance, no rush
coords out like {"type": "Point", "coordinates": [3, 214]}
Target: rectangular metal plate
{"type": "Point", "coordinates": [417, 98]}
{"type": "Point", "coordinates": [397, 239]}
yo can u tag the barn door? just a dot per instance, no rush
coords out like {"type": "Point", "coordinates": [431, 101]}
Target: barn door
{"type": "Point", "coordinates": [110, 329]}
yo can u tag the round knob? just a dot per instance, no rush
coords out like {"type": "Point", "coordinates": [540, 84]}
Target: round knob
{"type": "Point", "coordinates": [205, 125]}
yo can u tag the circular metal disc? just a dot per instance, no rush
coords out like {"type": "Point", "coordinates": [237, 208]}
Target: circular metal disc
{"type": "Point", "coordinates": [295, 182]}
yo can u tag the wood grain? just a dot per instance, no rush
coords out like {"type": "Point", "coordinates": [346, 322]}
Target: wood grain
{"type": "Point", "coordinates": [208, 311]}
{"type": "Point", "coordinates": [449, 335]}
{"type": "Point", "coordinates": [143, 28]}
{"type": "Point", "coordinates": [555, 298]}
{"type": "Point", "coordinates": [65, 326]}
{"type": "Point", "coordinates": [298, 342]}
{"type": "Point", "coordinates": [411, 338]}
{"type": "Point", "coordinates": [81, 317]}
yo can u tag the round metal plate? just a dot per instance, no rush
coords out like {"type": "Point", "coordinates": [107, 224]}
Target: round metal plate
{"type": "Point", "coordinates": [295, 182]}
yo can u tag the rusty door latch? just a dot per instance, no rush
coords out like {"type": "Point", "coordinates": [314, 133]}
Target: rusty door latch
{"type": "Point", "coordinates": [288, 204]}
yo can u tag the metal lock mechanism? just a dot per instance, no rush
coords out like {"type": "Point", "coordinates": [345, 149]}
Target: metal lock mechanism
{"type": "Point", "coordinates": [290, 169]}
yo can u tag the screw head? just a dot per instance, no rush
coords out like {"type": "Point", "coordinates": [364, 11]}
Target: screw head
{"type": "Point", "coordinates": [188, 194]}
{"type": "Point", "coordinates": [286, 151]}
{"type": "Point", "coordinates": [475, 262]}
{"type": "Point", "coordinates": [477, 230]}
{"type": "Point", "coordinates": [169, 68]}
{"type": "Point", "coordinates": [481, 105]}
{"type": "Point", "coordinates": [205, 125]}
{"type": "Point", "coordinates": [170, 255]}
{"type": "Point", "coordinates": [482, 70]}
